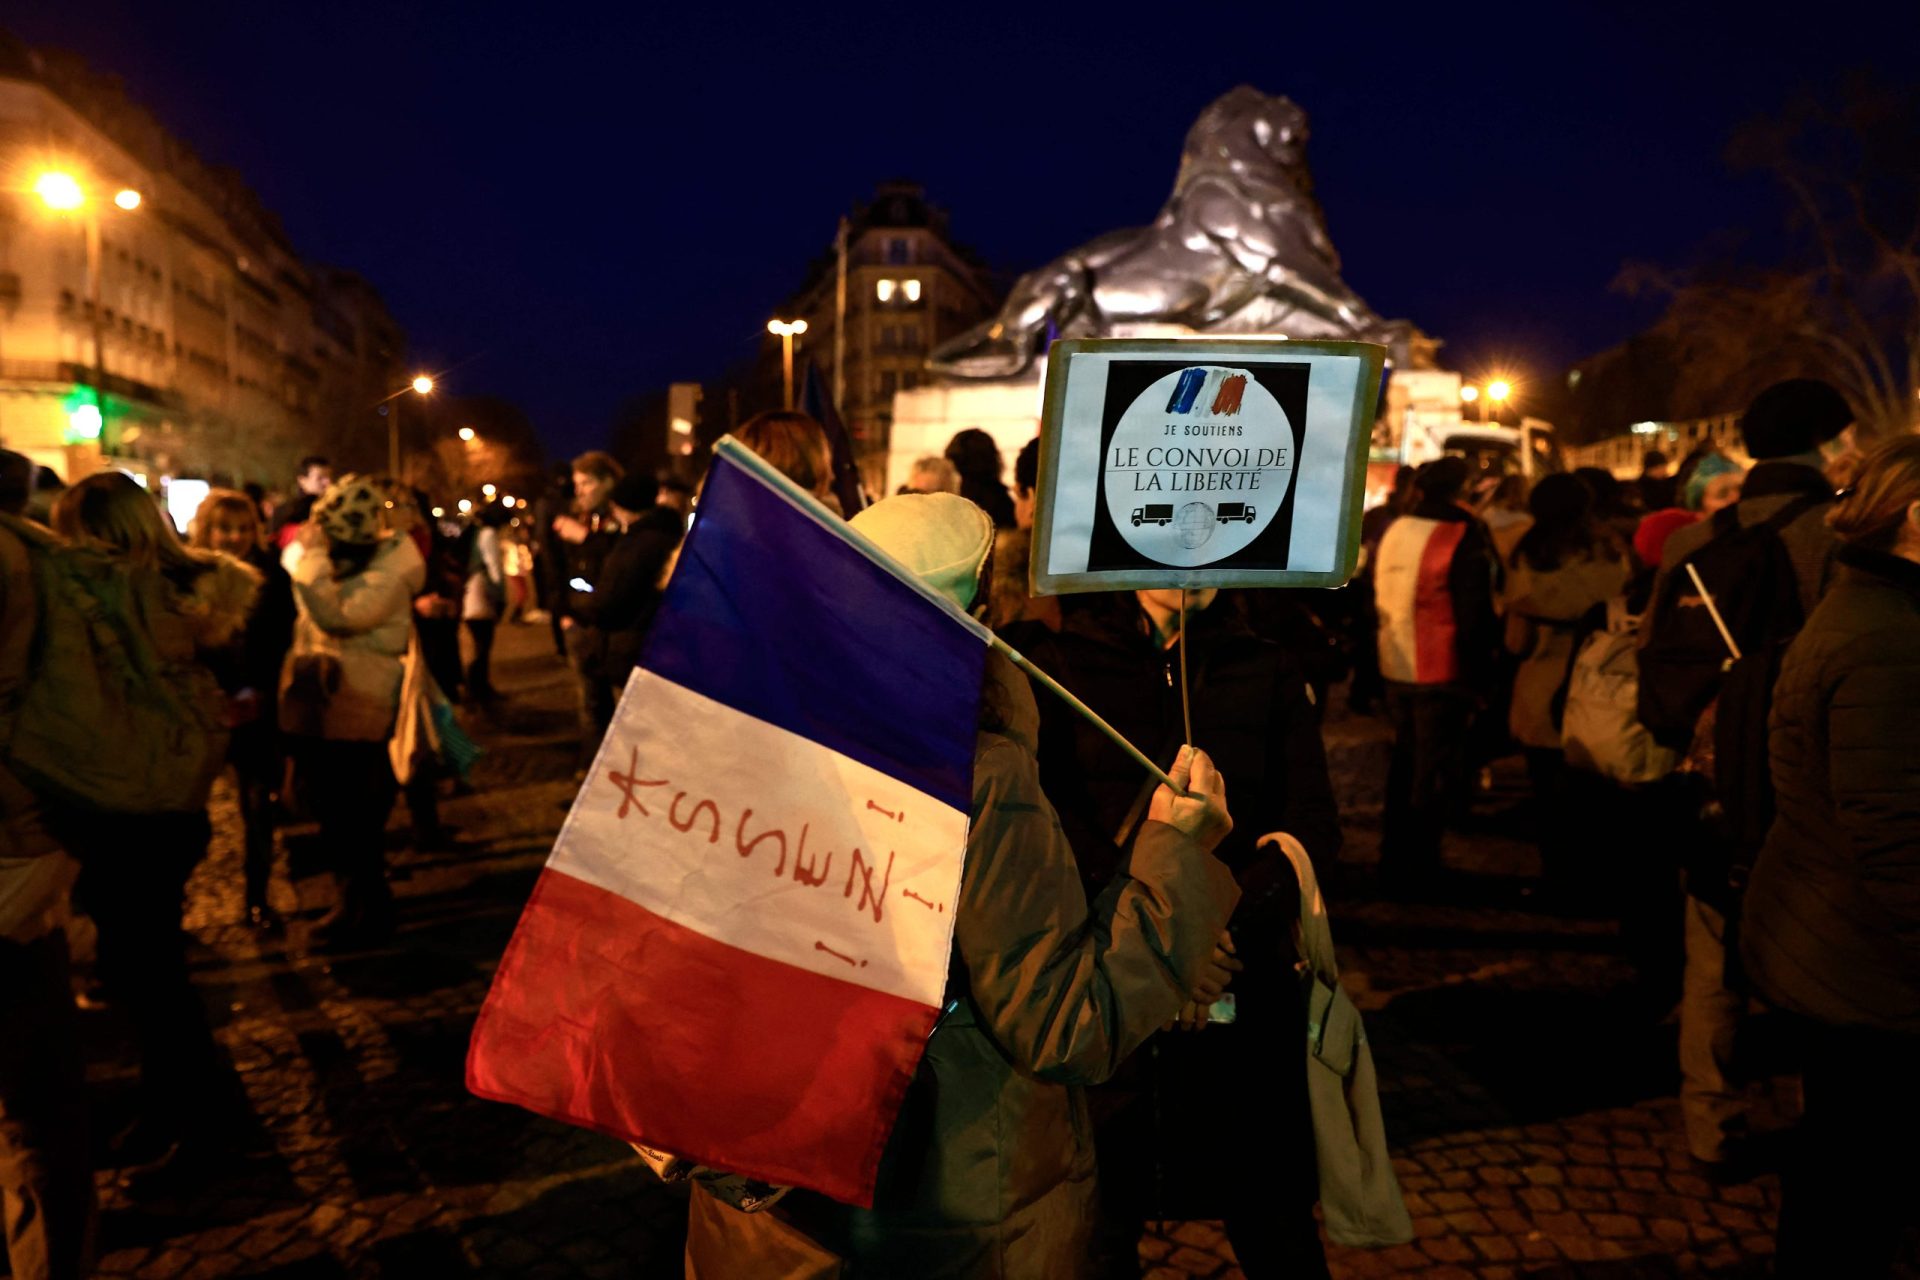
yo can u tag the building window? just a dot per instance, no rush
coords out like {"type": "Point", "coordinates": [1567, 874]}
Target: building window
{"type": "Point", "coordinates": [910, 336]}
{"type": "Point", "coordinates": [912, 289]}
{"type": "Point", "coordinates": [884, 289]}
{"type": "Point", "coordinates": [899, 249]}
{"type": "Point", "coordinates": [889, 381]}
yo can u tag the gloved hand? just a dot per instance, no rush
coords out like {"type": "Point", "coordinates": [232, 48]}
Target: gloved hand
{"type": "Point", "coordinates": [1201, 814]}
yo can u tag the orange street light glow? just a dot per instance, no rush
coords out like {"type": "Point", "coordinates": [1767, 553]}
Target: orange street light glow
{"type": "Point", "coordinates": [127, 198]}
{"type": "Point", "coordinates": [1469, 393]}
{"type": "Point", "coordinates": [1499, 389]}
{"type": "Point", "coordinates": [423, 384]}
{"type": "Point", "coordinates": [59, 191]}
{"type": "Point", "coordinates": [466, 433]}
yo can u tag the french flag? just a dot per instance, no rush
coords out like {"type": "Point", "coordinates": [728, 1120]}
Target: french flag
{"type": "Point", "coordinates": [739, 945]}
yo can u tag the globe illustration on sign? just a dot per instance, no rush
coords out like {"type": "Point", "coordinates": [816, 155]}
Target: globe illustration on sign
{"type": "Point", "coordinates": [1194, 524]}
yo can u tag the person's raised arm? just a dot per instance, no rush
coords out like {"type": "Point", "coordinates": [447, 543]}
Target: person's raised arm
{"type": "Point", "coordinates": [1066, 992]}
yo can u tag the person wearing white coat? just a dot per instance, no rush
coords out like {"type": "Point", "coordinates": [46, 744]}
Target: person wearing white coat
{"type": "Point", "coordinates": [353, 585]}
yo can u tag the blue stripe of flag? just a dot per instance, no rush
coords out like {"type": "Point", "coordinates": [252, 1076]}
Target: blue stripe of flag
{"type": "Point", "coordinates": [783, 620]}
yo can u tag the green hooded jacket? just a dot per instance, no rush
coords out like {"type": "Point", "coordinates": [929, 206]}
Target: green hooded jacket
{"type": "Point", "coordinates": [990, 1170]}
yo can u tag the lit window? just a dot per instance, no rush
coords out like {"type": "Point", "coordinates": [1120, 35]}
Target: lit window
{"type": "Point", "coordinates": [883, 290]}
{"type": "Point", "coordinates": [912, 289]}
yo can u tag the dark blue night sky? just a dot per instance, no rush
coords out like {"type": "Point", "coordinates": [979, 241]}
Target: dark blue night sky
{"type": "Point", "coordinates": [568, 205]}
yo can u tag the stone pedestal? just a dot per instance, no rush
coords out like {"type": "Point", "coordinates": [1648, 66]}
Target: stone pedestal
{"type": "Point", "coordinates": [925, 418]}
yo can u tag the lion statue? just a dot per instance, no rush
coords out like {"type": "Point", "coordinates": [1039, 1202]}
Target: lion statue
{"type": "Point", "coordinates": [1240, 247]}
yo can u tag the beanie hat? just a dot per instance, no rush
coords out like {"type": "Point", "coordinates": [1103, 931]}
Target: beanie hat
{"type": "Point", "coordinates": [1795, 416]}
{"type": "Point", "coordinates": [940, 537]}
{"type": "Point", "coordinates": [1709, 469]}
{"type": "Point", "coordinates": [636, 491]}
{"type": "Point", "coordinates": [352, 509]}
{"type": "Point", "coordinates": [1650, 539]}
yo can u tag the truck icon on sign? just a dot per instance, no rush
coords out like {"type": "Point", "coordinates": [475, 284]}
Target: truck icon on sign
{"type": "Point", "coordinates": [1231, 511]}
{"type": "Point", "coordinates": [1155, 513]}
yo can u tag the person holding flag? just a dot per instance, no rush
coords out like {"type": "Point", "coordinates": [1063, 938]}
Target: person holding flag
{"type": "Point", "coordinates": [893, 1006]}
{"type": "Point", "coordinates": [989, 1170]}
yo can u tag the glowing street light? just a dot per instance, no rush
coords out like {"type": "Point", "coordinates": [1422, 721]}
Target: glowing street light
{"type": "Point", "coordinates": [1469, 393]}
{"type": "Point", "coordinates": [465, 506]}
{"type": "Point", "coordinates": [438, 512]}
{"type": "Point", "coordinates": [467, 434]}
{"type": "Point", "coordinates": [487, 489]}
{"type": "Point", "coordinates": [421, 385]}
{"type": "Point", "coordinates": [508, 500]}
{"type": "Point", "coordinates": [1499, 389]}
{"type": "Point", "coordinates": [787, 330]}
{"type": "Point", "coordinates": [60, 191]}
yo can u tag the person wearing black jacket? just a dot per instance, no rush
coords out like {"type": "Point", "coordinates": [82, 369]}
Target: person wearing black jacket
{"type": "Point", "coordinates": [249, 673]}
{"type": "Point", "coordinates": [1831, 923]}
{"type": "Point", "coordinates": [1172, 1132]}
{"type": "Point", "coordinates": [585, 536]}
{"type": "Point", "coordinates": [622, 603]}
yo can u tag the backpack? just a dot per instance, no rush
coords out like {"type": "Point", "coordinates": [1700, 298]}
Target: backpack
{"type": "Point", "coordinates": [1600, 728]}
{"type": "Point", "coordinates": [1685, 663]}
{"type": "Point", "coordinates": [107, 722]}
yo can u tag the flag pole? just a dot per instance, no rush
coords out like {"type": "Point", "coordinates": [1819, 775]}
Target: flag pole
{"type": "Point", "coordinates": [748, 460]}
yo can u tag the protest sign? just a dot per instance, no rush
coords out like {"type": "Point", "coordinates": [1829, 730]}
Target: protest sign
{"type": "Point", "coordinates": [1202, 463]}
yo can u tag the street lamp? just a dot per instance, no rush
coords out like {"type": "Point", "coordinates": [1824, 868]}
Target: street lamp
{"type": "Point", "coordinates": [467, 433]}
{"type": "Point", "coordinates": [422, 385]}
{"type": "Point", "coordinates": [62, 193]}
{"type": "Point", "coordinates": [788, 330]}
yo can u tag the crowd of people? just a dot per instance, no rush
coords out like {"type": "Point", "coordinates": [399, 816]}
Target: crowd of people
{"type": "Point", "coordinates": [312, 648]}
{"type": "Point", "coordinates": [1707, 672]}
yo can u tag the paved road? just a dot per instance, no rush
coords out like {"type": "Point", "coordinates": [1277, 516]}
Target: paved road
{"type": "Point", "coordinates": [1531, 1110]}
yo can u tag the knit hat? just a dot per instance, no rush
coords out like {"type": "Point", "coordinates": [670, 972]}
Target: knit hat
{"type": "Point", "coordinates": [941, 537]}
{"type": "Point", "coordinates": [352, 509]}
{"type": "Point", "coordinates": [1795, 416]}
{"type": "Point", "coordinates": [1705, 472]}
{"type": "Point", "coordinates": [1650, 539]}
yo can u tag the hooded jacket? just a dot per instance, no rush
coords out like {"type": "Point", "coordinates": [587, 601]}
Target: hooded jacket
{"type": "Point", "coordinates": [989, 1171]}
{"type": "Point", "coordinates": [1544, 608]}
{"type": "Point", "coordinates": [1831, 920]}
{"type": "Point", "coordinates": [342, 675]}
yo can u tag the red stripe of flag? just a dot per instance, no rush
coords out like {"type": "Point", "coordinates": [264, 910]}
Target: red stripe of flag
{"type": "Point", "coordinates": [1436, 659]}
{"type": "Point", "coordinates": [596, 992]}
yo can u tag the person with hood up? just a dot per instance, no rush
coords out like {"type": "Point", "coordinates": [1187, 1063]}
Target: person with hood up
{"type": "Point", "coordinates": [1831, 930]}
{"type": "Point", "coordinates": [134, 867]}
{"type": "Point", "coordinates": [1562, 571]}
{"type": "Point", "coordinates": [989, 1171]}
{"type": "Point", "coordinates": [353, 584]}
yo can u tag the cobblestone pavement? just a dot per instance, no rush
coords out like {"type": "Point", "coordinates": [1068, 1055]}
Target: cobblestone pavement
{"type": "Point", "coordinates": [1530, 1108]}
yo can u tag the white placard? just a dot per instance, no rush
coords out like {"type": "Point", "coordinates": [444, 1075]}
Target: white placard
{"type": "Point", "coordinates": [1202, 463]}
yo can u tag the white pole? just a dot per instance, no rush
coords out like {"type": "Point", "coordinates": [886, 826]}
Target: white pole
{"type": "Point", "coordinates": [1706, 598]}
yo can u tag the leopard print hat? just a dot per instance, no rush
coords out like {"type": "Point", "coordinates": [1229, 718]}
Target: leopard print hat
{"type": "Point", "coordinates": [351, 510]}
